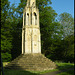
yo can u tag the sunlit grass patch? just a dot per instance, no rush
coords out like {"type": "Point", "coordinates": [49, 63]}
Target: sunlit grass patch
{"type": "Point", "coordinates": [42, 72]}
{"type": "Point", "coordinates": [62, 66]}
{"type": "Point", "coordinates": [69, 72]}
{"type": "Point", "coordinates": [5, 63]}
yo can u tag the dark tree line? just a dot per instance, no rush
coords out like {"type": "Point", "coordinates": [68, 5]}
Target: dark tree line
{"type": "Point", "coordinates": [57, 36]}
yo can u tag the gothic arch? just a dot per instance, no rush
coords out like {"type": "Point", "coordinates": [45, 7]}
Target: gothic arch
{"type": "Point", "coordinates": [27, 18]}
{"type": "Point", "coordinates": [35, 18]}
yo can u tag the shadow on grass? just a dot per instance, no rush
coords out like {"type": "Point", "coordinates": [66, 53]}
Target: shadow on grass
{"type": "Point", "coordinates": [17, 72]}
{"type": "Point", "coordinates": [69, 72]}
{"type": "Point", "coordinates": [65, 69]}
{"type": "Point", "coordinates": [15, 69]}
{"type": "Point", "coordinates": [62, 69]}
{"type": "Point", "coordinates": [65, 66]}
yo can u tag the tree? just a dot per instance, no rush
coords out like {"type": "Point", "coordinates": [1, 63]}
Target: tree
{"type": "Point", "coordinates": [65, 47]}
{"type": "Point", "coordinates": [62, 46]}
{"type": "Point", "coordinates": [6, 36]}
{"type": "Point", "coordinates": [69, 48]}
{"type": "Point", "coordinates": [67, 22]}
{"type": "Point", "coordinates": [16, 31]}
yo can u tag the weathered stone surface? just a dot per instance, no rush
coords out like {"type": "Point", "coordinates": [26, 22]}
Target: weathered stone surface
{"type": "Point", "coordinates": [31, 41]}
{"type": "Point", "coordinates": [33, 62]}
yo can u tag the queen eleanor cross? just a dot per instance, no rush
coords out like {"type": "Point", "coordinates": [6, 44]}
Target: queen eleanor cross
{"type": "Point", "coordinates": [31, 41]}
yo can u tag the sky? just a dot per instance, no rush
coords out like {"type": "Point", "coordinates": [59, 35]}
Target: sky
{"type": "Point", "coordinates": [59, 6]}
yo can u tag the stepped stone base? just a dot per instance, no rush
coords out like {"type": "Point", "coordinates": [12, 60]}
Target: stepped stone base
{"type": "Point", "coordinates": [32, 62]}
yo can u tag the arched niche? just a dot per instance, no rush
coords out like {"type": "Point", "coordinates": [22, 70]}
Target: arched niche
{"type": "Point", "coordinates": [35, 18]}
{"type": "Point", "coordinates": [27, 21]}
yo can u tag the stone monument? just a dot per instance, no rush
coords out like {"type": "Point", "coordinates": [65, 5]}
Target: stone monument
{"type": "Point", "coordinates": [31, 42]}
{"type": "Point", "coordinates": [31, 57]}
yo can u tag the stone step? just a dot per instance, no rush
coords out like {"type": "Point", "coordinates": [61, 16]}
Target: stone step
{"type": "Point", "coordinates": [31, 62]}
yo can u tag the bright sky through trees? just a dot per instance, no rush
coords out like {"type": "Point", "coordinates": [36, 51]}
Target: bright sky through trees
{"type": "Point", "coordinates": [59, 6]}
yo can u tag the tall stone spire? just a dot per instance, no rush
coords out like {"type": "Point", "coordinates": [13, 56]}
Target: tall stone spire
{"type": "Point", "coordinates": [31, 41]}
{"type": "Point", "coordinates": [31, 3]}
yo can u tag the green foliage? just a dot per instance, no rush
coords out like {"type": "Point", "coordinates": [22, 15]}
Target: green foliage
{"type": "Point", "coordinates": [62, 45]}
{"type": "Point", "coordinates": [6, 56]}
{"type": "Point", "coordinates": [47, 16]}
{"type": "Point", "coordinates": [4, 11]}
{"type": "Point", "coordinates": [6, 37]}
{"type": "Point", "coordinates": [68, 54]}
{"type": "Point", "coordinates": [67, 22]}
{"type": "Point", "coordinates": [56, 36]}
{"type": "Point", "coordinates": [67, 44]}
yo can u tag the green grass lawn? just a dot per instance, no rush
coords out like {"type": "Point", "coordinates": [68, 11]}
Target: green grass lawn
{"type": "Point", "coordinates": [68, 67]}
{"type": "Point", "coordinates": [61, 66]}
{"type": "Point", "coordinates": [70, 72]}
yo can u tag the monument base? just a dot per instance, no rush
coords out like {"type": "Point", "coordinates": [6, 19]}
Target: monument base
{"type": "Point", "coordinates": [31, 62]}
